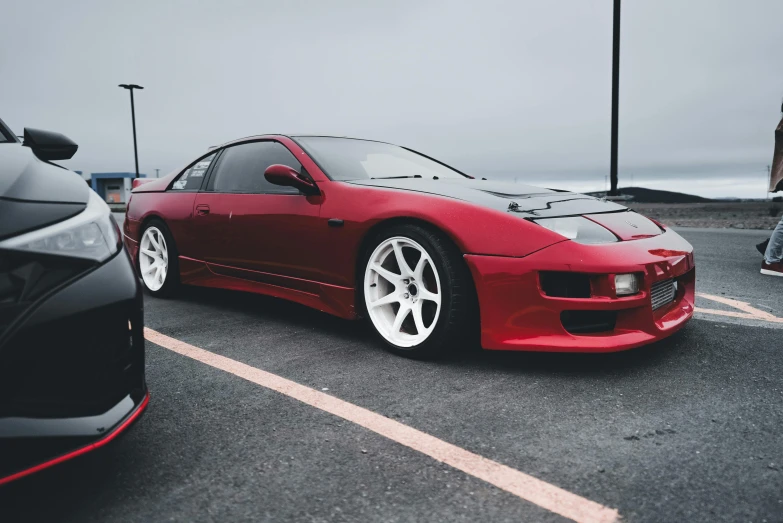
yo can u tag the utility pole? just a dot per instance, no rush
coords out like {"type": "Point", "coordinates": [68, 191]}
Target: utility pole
{"type": "Point", "coordinates": [131, 87]}
{"type": "Point", "coordinates": [615, 95]}
{"type": "Point", "coordinates": [157, 173]}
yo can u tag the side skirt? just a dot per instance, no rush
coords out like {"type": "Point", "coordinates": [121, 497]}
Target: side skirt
{"type": "Point", "coordinates": [331, 299]}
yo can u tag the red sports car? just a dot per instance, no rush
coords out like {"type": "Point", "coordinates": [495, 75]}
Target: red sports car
{"type": "Point", "coordinates": [361, 228]}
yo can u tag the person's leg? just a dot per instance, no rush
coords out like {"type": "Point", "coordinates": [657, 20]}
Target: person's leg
{"type": "Point", "coordinates": [774, 253]}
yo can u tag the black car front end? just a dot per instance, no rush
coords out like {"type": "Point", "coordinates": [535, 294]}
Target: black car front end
{"type": "Point", "coordinates": [71, 338]}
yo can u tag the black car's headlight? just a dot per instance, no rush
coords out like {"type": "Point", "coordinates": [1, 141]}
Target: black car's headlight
{"type": "Point", "coordinates": [92, 234]}
{"type": "Point", "coordinates": [579, 229]}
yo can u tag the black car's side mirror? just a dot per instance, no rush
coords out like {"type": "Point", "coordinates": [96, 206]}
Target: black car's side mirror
{"type": "Point", "coordinates": [48, 145]}
{"type": "Point", "coordinates": [287, 176]}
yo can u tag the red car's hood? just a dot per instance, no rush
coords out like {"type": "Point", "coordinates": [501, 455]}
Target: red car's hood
{"type": "Point", "coordinates": [525, 200]}
{"type": "Point", "coordinates": [529, 202]}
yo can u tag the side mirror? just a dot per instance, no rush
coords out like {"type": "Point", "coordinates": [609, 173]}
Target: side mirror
{"type": "Point", "coordinates": [287, 176]}
{"type": "Point", "coordinates": [48, 145]}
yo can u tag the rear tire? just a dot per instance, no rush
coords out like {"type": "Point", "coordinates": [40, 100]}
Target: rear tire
{"type": "Point", "coordinates": [415, 289]}
{"type": "Point", "coordinates": [158, 260]}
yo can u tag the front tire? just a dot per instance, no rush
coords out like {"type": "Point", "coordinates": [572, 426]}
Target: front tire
{"type": "Point", "coordinates": [158, 260]}
{"type": "Point", "coordinates": [415, 291]}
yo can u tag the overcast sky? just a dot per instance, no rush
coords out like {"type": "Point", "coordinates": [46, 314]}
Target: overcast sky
{"type": "Point", "coordinates": [517, 89]}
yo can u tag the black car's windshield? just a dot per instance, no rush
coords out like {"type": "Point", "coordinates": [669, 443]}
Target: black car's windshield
{"type": "Point", "coordinates": [350, 159]}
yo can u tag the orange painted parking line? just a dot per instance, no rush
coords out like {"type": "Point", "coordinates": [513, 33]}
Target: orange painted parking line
{"type": "Point", "coordinates": [748, 312]}
{"type": "Point", "coordinates": [727, 313]}
{"type": "Point", "coordinates": [536, 491]}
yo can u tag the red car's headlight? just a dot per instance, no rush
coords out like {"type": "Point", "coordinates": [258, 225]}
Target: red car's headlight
{"type": "Point", "coordinates": [626, 284]}
{"type": "Point", "coordinates": [579, 229]}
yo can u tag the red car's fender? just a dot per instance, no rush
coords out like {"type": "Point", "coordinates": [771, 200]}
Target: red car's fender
{"type": "Point", "coordinates": [473, 229]}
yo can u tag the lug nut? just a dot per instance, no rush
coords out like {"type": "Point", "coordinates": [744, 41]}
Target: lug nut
{"type": "Point", "coordinates": [405, 296]}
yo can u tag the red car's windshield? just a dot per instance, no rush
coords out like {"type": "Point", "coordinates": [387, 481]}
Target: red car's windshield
{"type": "Point", "coordinates": [352, 159]}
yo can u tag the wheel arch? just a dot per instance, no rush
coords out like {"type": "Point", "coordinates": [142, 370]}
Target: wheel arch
{"type": "Point", "coordinates": [365, 241]}
{"type": "Point", "coordinates": [151, 216]}
{"type": "Point", "coordinates": [155, 216]}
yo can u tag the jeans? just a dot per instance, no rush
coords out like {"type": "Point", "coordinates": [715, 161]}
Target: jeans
{"type": "Point", "coordinates": [774, 252]}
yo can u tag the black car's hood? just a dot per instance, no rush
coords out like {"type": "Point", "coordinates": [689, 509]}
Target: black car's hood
{"type": "Point", "coordinates": [34, 193]}
{"type": "Point", "coordinates": [525, 200]}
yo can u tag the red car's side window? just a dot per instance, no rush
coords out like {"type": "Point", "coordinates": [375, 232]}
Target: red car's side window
{"type": "Point", "coordinates": [241, 168]}
{"type": "Point", "coordinates": [192, 178]}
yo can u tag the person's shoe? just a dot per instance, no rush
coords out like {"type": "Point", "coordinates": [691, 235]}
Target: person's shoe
{"type": "Point", "coordinates": [762, 247]}
{"type": "Point", "coordinates": [772, 269]}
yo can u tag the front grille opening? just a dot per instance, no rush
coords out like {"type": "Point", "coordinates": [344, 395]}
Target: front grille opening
{"type": "Point", "coordinates": [663, 293]}
{"type": "Point", "coordinates": [79, 365]}
{"type": "Point", "coordinates": [565, 284]}
{"type": "Point", "coordinates": [588, 322]}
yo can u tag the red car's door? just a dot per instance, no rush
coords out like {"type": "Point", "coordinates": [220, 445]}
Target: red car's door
{"type": "Point", "coordinates": [249, 228]}
{"type": "Point", "coordinates": [179, 200]}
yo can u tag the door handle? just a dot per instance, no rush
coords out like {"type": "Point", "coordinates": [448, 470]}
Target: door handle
{"type": "Point", "coordinates": [202, 210]}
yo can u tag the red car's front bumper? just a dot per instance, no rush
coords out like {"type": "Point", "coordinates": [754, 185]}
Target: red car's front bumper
{"type": "Point", "coordinates": [517, 314]}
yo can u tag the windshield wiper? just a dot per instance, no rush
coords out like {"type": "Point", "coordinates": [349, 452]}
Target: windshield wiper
{"type": "Point", "coordinates": [395, 177]}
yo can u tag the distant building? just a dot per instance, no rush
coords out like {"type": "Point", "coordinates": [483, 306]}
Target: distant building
{"type": "Point", "coordinates": [113, 187]}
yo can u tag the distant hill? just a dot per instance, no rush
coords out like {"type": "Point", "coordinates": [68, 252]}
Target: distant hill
{"type": "Point", "coordinates": [643, 195]}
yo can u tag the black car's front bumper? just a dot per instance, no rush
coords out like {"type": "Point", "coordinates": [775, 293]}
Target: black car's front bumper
{"type": "Point", "coordinates": [71, 367]}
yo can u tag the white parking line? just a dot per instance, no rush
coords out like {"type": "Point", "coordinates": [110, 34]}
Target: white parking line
{"type": "Point", "coordinates": [536, 491]}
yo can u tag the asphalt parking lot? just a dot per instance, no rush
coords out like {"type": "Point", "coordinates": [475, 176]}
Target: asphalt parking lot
{"type": "Point", "coordinates": [688, 429]}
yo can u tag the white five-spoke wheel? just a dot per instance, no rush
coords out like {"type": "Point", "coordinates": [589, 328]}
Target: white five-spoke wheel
{"type": "Point", "coordinates": [402, 291]}
{"type": "Point", "coordinates": [153, 258]}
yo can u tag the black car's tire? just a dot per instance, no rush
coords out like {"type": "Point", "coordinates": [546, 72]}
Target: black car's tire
{"type": "Point", "coordinates": [442, 329]}
{"type": "Point", "coordinates": [156, 228]}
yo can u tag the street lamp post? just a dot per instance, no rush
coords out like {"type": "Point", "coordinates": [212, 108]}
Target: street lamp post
{"type": "Point", "coordinates": [615, 96]}
{"type": "Point", "coordinates": [131, 87]}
